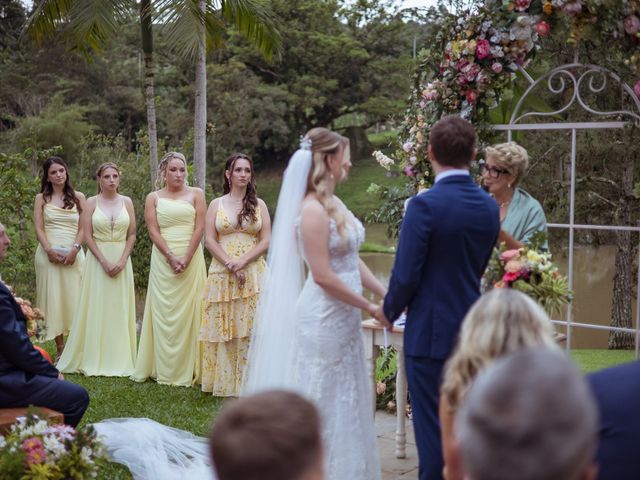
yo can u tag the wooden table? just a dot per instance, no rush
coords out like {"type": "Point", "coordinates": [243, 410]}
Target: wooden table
{"type": "Point", "coordinates": [8, 416]}
{"type": "Point", "coordinates": [373, 334]}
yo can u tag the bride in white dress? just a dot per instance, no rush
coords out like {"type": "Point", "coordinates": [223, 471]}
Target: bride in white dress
{"type": "Point", "coordinates": [308, 336]}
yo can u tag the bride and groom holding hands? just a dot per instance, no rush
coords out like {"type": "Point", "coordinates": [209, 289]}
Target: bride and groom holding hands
{"type": "Point", "coordinates": [308, 334]}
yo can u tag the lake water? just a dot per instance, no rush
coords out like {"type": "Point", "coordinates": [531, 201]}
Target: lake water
{"type": "Point", "coordinates": [593, 284]}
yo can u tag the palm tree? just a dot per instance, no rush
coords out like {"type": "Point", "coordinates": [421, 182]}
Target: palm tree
{"type": "Point", "coordinates": [198, 26]}
{"type": "Point", "coordinates": [89, 25]}
{"type": "Point", "coordinates": [193, 26]}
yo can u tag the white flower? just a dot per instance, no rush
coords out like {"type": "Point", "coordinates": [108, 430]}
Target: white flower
{"type": "Point", "coordinates": [86, 454]}
{"type": "Point", "coordinates": [384, 161]}
{"type": "Point", "coordinates": [54, 446]}
{"type": "Point", "coordinates": [3, 442]}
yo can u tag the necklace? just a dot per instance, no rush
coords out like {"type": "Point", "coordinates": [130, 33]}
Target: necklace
{"type": "Point", "coordinates": [504, 204]}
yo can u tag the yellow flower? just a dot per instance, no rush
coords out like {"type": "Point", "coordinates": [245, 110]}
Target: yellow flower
{"type": "Point", "coordinates": [547, 8]}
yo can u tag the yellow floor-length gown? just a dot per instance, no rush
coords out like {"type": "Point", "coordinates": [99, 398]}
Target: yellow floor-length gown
{"type": "Point", "coordinates": [57, 285]}
{"type": "Point", "coordinates": [169, 349]}
{"type": "Point", "coordinates": [103, 334]}
{"type": "Point", "coordinates": [229, 308]}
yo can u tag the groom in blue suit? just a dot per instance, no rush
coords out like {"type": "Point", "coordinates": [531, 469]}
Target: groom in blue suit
{"type": "Point", "coordinates": [446, 240]}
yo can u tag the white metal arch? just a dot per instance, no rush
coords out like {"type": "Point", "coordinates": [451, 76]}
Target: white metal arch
{"type": "Point", "coordinates": [581, 79]}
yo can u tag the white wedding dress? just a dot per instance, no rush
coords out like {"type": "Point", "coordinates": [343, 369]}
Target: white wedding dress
{"type": "Point", "coordinates": [329, 367]}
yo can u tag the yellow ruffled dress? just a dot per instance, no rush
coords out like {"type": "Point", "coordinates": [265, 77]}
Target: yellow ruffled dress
{"type": "Point", "coordinates": [229, 308]}
{"type": "Point", "coordinates": [58, 286]}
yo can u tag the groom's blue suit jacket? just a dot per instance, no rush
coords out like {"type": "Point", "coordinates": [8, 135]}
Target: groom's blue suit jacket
{"type": "Point", "coordinates": [446, 239]}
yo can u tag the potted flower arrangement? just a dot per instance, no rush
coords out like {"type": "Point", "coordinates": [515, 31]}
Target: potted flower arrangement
{"type": "Point", "coordinates": [35, 449]}
{"type": "Point", "coordinates": [531, 271]}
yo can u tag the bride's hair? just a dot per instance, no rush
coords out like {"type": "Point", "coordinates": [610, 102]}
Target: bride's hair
{"type": "Point", "coordinates": [501, 321]}
{"type": "Point", "coordinates": [324, 142]}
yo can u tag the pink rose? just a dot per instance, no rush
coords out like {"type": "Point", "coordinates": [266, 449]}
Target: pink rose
{"type": "Point", "coordinates": [542, 28]}
{"type": "Point", "coordinates": [472, 96]}
{"type": "Point", "coordinates": [496, 67]}
{"type": "Point", "coordinates": [510, 277]}
{"type": "Point", "coordinates": [509, 255]}
{"type": "Point", "coordinates": [632, 24]}
{"type": "Point", "coordinates": [636, 89]}
{"type": "Point", "coordinates": [522, 5]}
{"type": "Point", "coordinates": [483, 49]}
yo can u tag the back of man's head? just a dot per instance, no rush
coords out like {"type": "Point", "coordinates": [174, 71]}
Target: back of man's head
{"type": "Point", "coordinates": [529, 416]}
{"type": "Point", "coordinates": [273, 435]}
{"type": "Point", "coordinates": [452, 141]}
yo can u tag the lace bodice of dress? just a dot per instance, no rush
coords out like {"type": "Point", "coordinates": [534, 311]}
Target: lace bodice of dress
{"type": "Point", "coordinates": [343, 252]}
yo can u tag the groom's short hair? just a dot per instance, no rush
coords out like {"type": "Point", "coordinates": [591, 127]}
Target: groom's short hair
{"type": "Point", "coordinates": [273, 435]}
{"type": "Point", "coordinates": [453, 142]}
{"type": "Point", "coordinates": [530, 416]}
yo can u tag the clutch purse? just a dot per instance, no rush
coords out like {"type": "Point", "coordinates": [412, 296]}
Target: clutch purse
{"type": "Point", "coordinates": [61, 250]}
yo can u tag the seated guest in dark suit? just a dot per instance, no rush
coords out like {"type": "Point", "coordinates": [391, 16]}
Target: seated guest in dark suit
{"type": "Point", "coordinates": [529, 416]}
{"type": "Point", "coordinates": [26, 378]}
{"type": "Point", "coordinates": [617, 392]}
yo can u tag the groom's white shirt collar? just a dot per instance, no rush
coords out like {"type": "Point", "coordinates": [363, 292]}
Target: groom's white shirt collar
{"type": "Point", "coordinates": [451, 173]}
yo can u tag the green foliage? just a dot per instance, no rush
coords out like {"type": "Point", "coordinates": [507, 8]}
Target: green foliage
{"type": "Point", "coordinates": [391, 210]}
{"type": "Point", "coordinates": [17, 192]}
{"type": "Point", "coordinates": [59, 123]}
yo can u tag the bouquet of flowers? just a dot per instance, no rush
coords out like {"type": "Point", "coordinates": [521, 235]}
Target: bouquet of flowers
{"type": "Point", "coordinates": [36, 325]}
{"type": "Point", "coordinates": [532, 272]}
{"type": "Point", "coordinates": [34, 449]}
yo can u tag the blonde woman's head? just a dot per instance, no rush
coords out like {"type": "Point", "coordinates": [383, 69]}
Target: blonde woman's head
{"type": "Point", "coordinates": [500, 322]}
{"type": "Point", "coordinates": [330, 165]}
{"type": "Point", "coordinates": [102, 169]}
{"type": "Point", "coordinates": [165, 161]}
{"type": "Point", "coordinates": [511, 157]}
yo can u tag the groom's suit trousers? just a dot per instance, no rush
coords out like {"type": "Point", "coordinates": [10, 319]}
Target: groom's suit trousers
{"type": "Point", "coordinates": [423, 378]}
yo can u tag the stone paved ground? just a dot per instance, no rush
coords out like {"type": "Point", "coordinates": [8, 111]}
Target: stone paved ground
{"type": "Point", "coordinates": [395, 468]}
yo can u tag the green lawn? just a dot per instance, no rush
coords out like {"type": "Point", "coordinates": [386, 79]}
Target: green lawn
{"type": "Point", "coordinates": [192, 410]}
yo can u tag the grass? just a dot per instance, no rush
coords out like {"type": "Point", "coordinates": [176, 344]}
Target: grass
{"type": "Point", "coordinates": [192, 410]}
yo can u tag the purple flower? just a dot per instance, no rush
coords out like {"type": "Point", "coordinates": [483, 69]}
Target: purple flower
{"type": "Point", "coordinates": [632, 24]}
{"type": "Point", "coordinates": [572, 8]}
{"type": "Point", "coordinates": [408, 171]}
{"type": "Point", "coordinates": [407, 146]}
{"type": "Point", "coordinates": [496, 67]}
{"type": "Point", "coordinates": [636, 89]}
{"type": "Point", "coordinates": [483, 49]}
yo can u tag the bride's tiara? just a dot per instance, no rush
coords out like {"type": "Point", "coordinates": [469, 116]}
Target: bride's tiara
{"type": "Point", "coordinates": [305, 143]}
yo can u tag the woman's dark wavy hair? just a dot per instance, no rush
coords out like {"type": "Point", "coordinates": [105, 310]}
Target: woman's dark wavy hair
{"type": "Point", "coordinates": [250, 200]}
{"type": "Point", "coordinates": [46, 189]}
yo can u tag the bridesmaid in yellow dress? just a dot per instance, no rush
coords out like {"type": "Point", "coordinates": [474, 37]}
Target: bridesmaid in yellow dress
{"type": "Point", "coordinates": [103, 334]}
{"type": "Point", "coordinates": [169, 350]}
{"type": "Point", "coordinates": [237, 232]}
{"type": "Point", "coordinates": [59, 255]}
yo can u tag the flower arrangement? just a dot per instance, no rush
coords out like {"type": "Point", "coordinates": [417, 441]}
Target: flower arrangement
{"type": "Point", "coordinates": [530, 271]}
{"type": "Point", "coordinates": [34, 449]}
{"type": "Point", "coordinates": [473, 56]}
{"type": "Point", "coordinates": [36, 324]}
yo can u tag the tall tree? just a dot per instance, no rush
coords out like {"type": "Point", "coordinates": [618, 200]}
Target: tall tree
{"type": "Point", "coordinates": [89, 25]}
{"type": "Point", "coordinates": [198, 26]}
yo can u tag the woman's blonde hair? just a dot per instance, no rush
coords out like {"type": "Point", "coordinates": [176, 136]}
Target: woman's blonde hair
{"type": "Point", "coordinates": [102, 168]}
{"type": "Point", "coordinates": [510, 156]}
{"type": "Point", "coordinates": [324, 142]}
{"type": "Point", "coordinates": [162, 168]}
{"type": "Point", "coordinates": [500, 322]}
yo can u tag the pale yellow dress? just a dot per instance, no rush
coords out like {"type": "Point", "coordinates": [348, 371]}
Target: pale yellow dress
{"type": "Point", "coordinates": [58, 286]}
{"type": "Point", "coordinates": [229, 308]}
{"type": "Point", "coordinates": [169, 349]}
{"type": "Point", "coordinates": [103, 335]}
